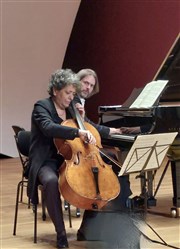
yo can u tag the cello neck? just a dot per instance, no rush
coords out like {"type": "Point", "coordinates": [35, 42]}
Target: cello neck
{"type": "Point", "coordinates": [78, 117]}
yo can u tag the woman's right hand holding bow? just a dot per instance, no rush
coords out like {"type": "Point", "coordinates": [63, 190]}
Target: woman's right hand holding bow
{"type": "Point", "coordinates": [87, 137]}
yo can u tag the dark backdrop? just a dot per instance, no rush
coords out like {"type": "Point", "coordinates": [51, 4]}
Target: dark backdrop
{"type": "Point", "coordinates": [124, 41]}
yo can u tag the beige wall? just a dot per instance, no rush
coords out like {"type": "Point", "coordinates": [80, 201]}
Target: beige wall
{"type": "Point", "coordinates": [34, 36]}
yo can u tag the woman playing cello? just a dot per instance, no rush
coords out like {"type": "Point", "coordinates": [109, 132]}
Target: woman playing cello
{"type": "Point", "coordinates": [47, 116]}
{"type": "Point", "coordinates": [47, 124]}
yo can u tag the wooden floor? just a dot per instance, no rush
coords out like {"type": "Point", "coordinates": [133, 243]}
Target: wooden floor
{"type": "Point", "coordinates": [168, 228]}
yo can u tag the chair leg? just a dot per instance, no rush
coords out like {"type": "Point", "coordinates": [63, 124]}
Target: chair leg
{"type": "Point", "coordinates": [78, 212]}
{"type": "Point", "coordinates": [65, 205]}
{"type": "Point", "coordinates": [43, 205]}
{"type": "Point", "coordinates": [17, 205]}
{"type": "Point", "coordinates": [35, 222]}
{"type": "Point", "coordinates": [19, 186]}
{"type": "Point", "coordinates": [69, 213]}
{"type": "Point", "coordinates": [21, 196]}
{"type": "Point", "coordinates": [29, 203]}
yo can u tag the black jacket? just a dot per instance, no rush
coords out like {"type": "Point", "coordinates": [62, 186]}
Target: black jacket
{"type": "Point", "coordinates": [45, 126]}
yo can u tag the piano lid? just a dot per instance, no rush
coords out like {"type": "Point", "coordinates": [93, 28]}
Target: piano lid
{"type": "Point", "coordinates": [170, 70]}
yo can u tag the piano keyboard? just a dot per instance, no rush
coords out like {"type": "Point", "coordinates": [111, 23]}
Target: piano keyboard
{"type": "Point", "coordinates": [128, 137]}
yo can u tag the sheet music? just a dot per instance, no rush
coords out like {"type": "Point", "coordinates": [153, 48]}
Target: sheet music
{"type": "Point", "coordinates": [141, 157]}
{"type": "Point", "coordinates": [149, 94]}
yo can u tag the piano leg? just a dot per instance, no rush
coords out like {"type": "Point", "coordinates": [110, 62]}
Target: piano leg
{"type": "Point", "coordinates": [175, 170]}
{"type": "Point", "coordinates": [147, 182]}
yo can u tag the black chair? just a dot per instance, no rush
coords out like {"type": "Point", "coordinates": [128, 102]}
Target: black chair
{"type": "Point", "coordinates": [22, 139]}
{"type": "Point", "coordinates": [17, 129]}
{"type": "Point", "coordinates": [23, 158]}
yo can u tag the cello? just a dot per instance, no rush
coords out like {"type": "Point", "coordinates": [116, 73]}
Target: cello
{"type": "Point", "coordinates": [85, 180]}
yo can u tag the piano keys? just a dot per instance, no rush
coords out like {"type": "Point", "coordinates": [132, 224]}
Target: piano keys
{"type": "Point", "coordinates": [123, 141]}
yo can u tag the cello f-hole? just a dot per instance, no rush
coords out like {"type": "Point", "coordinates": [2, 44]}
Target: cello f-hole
{"type": "Point", "coordinates": [77, 158]}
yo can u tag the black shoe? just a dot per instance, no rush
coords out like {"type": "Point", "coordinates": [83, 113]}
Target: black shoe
{"type": "Point", "coordinates": [62, 242]}
{"type": "Point", "coordinates": [80, 236]}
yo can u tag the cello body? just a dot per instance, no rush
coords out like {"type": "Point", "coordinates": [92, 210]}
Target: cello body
{"type": "Point", "coordinates": [85, 181]}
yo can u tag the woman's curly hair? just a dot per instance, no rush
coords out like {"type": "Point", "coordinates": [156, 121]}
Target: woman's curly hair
{"type": "Point", "coordinates": [61, 78]}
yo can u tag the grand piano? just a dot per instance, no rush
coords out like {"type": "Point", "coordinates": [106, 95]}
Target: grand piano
{"type": "Point", "coordinates": [162, 117]}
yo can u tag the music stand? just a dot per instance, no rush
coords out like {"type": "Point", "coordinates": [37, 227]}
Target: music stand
{"type": "Point", "coordinates": [147, 154]}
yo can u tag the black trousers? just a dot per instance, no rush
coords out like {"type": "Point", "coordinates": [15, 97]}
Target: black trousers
{"type": "Point", "coordinates": [48, 177]}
